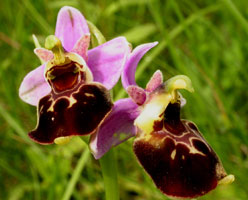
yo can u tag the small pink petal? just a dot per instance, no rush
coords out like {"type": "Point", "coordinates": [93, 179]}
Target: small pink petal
{"type": "Point", "coordinates": [116, 128]}
{"type": "Point", "coordinates": [128, 74]}
{"type": "Point", "coordinates": [70, 26]}
{"type": "Point", "coordinates": [81, 46]}
{"type": "Point", "coordinates": [43, 54]}
{"type": "Point", "coordinates": [155, 81]}
{"type": "Point", "coordinates": [34, 86]}
{"type": "Point", "coordinates": [137, 94]}
{"type": "Point", "coordinates": [107, 61]}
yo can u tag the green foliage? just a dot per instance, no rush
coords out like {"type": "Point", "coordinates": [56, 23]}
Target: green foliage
{"type": "Point", "coordinates": [205, 40]}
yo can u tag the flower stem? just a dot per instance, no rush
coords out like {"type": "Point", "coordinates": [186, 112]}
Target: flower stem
{"type": "Point", "coordinates": [76, 174]}
{"type": "Point", "coordinates": [108, 161]}
{"type": "Point", "coordinates": [109, 172]}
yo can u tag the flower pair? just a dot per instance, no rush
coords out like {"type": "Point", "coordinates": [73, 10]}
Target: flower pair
{"type": "Point", "coordinates": [71, 92]}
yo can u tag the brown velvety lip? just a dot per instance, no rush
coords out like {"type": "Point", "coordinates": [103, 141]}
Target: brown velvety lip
{"type": "Point", "coordinates": [178, 158]}
{"type": "Point", "coordinates": [80, 113]}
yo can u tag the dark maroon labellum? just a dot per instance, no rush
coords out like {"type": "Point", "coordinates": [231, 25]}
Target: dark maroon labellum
{"type": "Point", "coordinates": [178, 158]}
{"type": "Point", "coordinates": [72, 108]}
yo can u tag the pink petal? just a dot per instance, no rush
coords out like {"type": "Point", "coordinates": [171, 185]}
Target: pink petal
{"type": "Point", "coordinates": [81, 46]}
{"type": "Point", "coordinates": [107, 60]}
{"type": "Point", "coordinates": [43, 54]}
{"type": "Point", "coordinates": [70, 27]}
{"type": "Point", "coordinates": [128, 74]}
{"type": "Point", "coordinates": [137, 94]}
{"type": "Point", "coordinates": [116, 128]}
{"type": "Point", "coordinates": [34, 86]}
{"type": "Point", "coordinates": [155, 81]}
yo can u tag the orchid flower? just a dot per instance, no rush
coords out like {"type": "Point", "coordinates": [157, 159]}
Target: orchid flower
{"type": "Point", "coordinates": [172, 151]}
{"type": "Point", "coordinates": [71, 88]}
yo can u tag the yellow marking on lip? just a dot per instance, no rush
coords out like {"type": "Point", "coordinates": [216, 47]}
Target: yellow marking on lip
{"type": "Point", "coordinates": [41, 108]}
{"type": "Point", "coordinates": [157, 143]}
{"type": "Point", "coordinates": [89, 95]}
{"type": "Point", "coordinates": [193, 150]}
{"type": "Point", "coordinates": [51, 108]}
{"type": "Point", "coordinates": [173, 154]}
{"type": "Point", "coordinates": [72, 101]}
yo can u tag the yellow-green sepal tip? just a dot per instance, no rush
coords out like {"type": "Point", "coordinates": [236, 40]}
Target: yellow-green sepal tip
{"type": "Point", "coordinates": [227, 180]}
{"type": "Point", "coordinates": [54, 44]}
{"type": "Point", "coordinates": [97, 36]}
{"type": "Point", "coordinates": [179, 82]}
{"type": "Point", "coordinates": [51, 42]}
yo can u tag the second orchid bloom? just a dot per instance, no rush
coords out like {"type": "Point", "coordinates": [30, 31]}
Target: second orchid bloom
{"type": "Point", "coordinates": [172, 151]}
{"type": "Point", "coordinates": [71, 92]}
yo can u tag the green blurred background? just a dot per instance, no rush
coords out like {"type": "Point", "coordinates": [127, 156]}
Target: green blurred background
{"type": "Point", "coordinates": [206, 40]}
